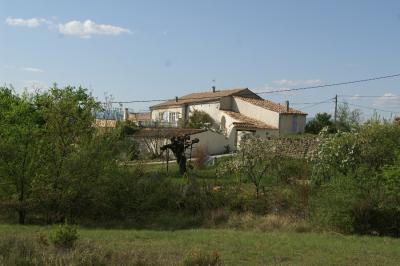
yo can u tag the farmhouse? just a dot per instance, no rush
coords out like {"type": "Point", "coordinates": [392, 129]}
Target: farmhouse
{"type": "Point", "coordinates": [235, 112]}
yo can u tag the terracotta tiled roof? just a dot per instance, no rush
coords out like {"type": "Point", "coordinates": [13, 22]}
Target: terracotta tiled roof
{"type": "Point", "coordinates": [247, 122]}
{"type": "Point", "coordinates": [140, 116]}
{"type": "Point", "coordinates": [200, 97]}
{"type": "Point", "coordinates": [167, 132]}
{"type": "Point", "coordinates": [270, 105]}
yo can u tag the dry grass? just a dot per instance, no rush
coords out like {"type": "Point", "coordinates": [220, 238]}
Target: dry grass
{"type": "Point", "coordinates": [234, 247]}
{"type": "Point", "coordinates": [268, 223]}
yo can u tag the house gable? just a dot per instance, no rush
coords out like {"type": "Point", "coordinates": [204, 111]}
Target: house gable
{"type": "Point", "coordinates": [202, 97]}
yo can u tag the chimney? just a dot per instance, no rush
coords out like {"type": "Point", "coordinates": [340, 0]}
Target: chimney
{"type": "Point", "coordinates": [287, 106]}
{"type": "Point", "coordinates": [126, 114]}
{"type": "Point", "coordinates": [213, 88]}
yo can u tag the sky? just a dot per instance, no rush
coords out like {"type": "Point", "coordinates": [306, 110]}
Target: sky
{"type": "Point", "coordinates": [140, 50]}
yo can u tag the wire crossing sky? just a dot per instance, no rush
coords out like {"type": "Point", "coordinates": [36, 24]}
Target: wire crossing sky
{"type": "Point", "coordinates": [140, 50]}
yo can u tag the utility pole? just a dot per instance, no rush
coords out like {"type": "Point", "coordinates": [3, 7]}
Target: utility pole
{"type": "Point", "coordinates": [335, 115]}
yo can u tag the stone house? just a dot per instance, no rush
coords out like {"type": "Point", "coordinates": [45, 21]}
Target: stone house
{"type": "Point", "coordinates": [236, 112]}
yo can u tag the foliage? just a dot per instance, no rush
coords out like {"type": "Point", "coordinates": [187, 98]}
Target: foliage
{"type": "Point", "coordinates": [358, 173]}
{"type": "Point", "coordinates": [127, 128]}
{"type": "Point", "coordinates": [21, 128]}
{"type": "Point", "coordinates": [333, 205]}
{"type": "Point", "coordinates": [320, 121]}
{"type": "Point", "coordinates": [64, 236]}
{"type": "Point", "coordinates": [371, 146]}
{"type": "Point", "coordinates": [200, 119]}
{"type": "Point", "coordinates": [347, 118]}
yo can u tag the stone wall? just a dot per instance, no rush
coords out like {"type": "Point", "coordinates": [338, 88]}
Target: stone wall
{"type": "Point", "coordinates": [298, 147]}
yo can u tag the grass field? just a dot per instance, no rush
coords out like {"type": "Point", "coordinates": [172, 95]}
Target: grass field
{"type": "Point", "coordinates": [240, 247]}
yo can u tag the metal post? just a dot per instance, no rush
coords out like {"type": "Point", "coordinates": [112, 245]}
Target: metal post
{"type": "Point", "coordinates": [167, 159]}
{"type": "Point", "coordinates": [335, 115]}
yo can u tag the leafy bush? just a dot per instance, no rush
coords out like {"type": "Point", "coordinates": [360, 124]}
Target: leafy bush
{"type": "Point", "coordinates": [290, 170]}
{"type": "Point", "coordinates": [359, 177]}
{"type": "Point", "coordinates": [200, 119]}
{"type": "Point", "coordinates": [320, 121]}
{"type": "Point", "coordinates": [64, 236]}
{"type": "Point", "coordinates": [332, 206]}
{"type": "Point", "coordinates": [371, 146]}
{"type": "Point", "coordinates": [349, 205]}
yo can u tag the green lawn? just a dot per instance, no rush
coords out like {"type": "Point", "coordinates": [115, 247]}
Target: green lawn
{"type": "Point", "coordinates": [243, 247]}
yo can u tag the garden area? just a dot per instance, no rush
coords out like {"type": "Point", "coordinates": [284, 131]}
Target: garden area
{"type": "Point", "coordinates": [72, 194]}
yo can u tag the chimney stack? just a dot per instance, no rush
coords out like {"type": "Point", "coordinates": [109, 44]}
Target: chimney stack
{"type": "Point", "coordinates": [213, 88]}
{"type": "Point", "coordinates": [287, 106]}
{"type": "Point", "coordinates": [126, 114]}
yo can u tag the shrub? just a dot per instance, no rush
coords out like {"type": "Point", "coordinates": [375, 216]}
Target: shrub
{"type": "Point", "coordinates": [64, 236]}
{"type": "Point", "coordinates": [201, 155]}
{"type": "Point", "coordinates": [371, 146]}
{"type": "Point", "coordinates": [197, 257]}
{"type": "Point", "coordinates": [291, 170]}
{"type": "Point", "coordinates": [200, 119]}
{"type": "Point", "coordinates": [320, 121]}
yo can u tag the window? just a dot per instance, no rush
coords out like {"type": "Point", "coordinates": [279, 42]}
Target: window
{"type": "Point", "coordinates": [161, 116]}
{"type": "Point", "coordinates": [172, 116]}
{"type": "Point", "coordinates": [294, 124]}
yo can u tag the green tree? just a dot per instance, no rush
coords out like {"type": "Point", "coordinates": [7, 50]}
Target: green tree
{"type": "Point", "coordinates": [347, 118]}
{"type": "Point", "coordinates": [68, 129]}
{"type": "Point", "coordinates": [320, 121]}
{"type": "Point", "coordinates": [20, 132]}
{"type": "Point", "coordinates": [200, 119]}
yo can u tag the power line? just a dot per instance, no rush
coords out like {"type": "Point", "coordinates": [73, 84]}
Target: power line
{"type": "Point", "coordinates": [333, 84]}
{"type": "Point", "coordinates": [270, 91]}
{"type": "Point", "coordinates": [369, 96]}
{"type": "Point", "coordinates": [326, 101]}
{"type": "Point", "coordinates": [318, 103]}
{"type": "Point", "coordinates": [371, 108]}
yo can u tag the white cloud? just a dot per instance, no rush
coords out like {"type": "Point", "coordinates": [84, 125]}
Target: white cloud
{"type": "Point", "coordinates": [355, 97]}
{"type": "Point", "coordinates": [84, 29]}
{"type": "Point", "coordinates": [388, 99]}
{"type": "Point", "coordinates": [31, 22]}
{"type": "Point", "coordinates": [291, 83]}
{"type": "Point", "coordinates": [88, 28]}
{"type": "Point", "coordinates": [33, 69]}
{"type": "Point", "coordinates": [28, 69]}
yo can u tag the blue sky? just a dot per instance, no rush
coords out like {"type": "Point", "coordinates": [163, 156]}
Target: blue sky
{"type": "Point", "coordinates": [138, 50]}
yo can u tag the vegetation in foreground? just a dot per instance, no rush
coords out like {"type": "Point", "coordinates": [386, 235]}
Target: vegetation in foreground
{"type": "Point", "coordinates": [55, 166]}
{"type": "Point", "coordinates": [28, 245]}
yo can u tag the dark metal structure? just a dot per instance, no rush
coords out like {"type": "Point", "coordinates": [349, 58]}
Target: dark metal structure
{"type": "Point", "coordinates": [178, 146]}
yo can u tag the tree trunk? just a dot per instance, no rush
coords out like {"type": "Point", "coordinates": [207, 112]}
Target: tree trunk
{"type": "Point", "coordinates": [21, 216]}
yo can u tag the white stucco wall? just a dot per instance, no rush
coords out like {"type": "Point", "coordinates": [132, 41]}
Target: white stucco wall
{"type": "Point", "coordinates": [214, 142]}
{"type": "Point", "coordinates": [256, 112]}
{"type": "Point", "coordinates": [155, 113]}
{"type": "Point", "coordinates": [211, 108]}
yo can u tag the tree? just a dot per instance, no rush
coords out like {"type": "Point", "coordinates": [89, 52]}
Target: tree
{"type": "Point", "coordinates": [69, 118]}
{"type": "Point", "coordinates": [200, 119]}
{"type": "Point", "coordinates": [20, 132]}
{"type": "Point", "coordinates": [320, 121]}
{"type": "Point", "coordinates": [256, 160]}
{"type": "Point", "coordinates": [347, 118]}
